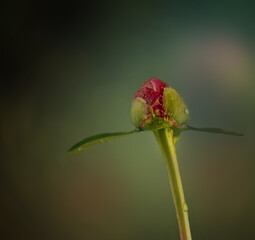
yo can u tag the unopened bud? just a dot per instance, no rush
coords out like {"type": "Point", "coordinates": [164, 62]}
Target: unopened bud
{"type": "Point", "coordinates": [156, 106]}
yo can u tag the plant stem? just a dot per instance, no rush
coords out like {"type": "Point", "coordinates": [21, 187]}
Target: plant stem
{"type": "Point", "coordinates": [166, 141]}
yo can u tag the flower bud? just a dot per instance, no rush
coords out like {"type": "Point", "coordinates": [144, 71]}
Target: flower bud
{"type": "Point", "coordinates": [156, 106]}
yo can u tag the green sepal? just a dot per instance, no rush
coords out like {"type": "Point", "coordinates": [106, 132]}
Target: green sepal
{"type": "Point", "coordinates": [174, 106]}
{"type": "Point", "coordinates": [99, 138]}
{"type": "Point", "coordinates": [138, 111]}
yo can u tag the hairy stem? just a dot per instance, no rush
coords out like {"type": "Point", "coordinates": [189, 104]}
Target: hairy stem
{"type": "Point", "coordinates": [166, 141]}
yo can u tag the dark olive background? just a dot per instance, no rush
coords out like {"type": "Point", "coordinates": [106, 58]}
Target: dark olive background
{"type": "Point", "coordinates": [70, 70]}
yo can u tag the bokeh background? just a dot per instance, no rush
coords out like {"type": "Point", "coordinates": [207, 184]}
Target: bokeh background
{"type": "Point", "coordinates": [71, 69]}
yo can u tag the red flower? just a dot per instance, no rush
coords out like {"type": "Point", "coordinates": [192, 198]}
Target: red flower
{"type": "Point", "coordinates": [152, 92]}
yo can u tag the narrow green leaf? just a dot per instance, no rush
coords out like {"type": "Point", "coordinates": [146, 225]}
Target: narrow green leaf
{"type": "Point", "coordinates": [215, 130]}
{"type": "Point", "coordinates": [99, 138]}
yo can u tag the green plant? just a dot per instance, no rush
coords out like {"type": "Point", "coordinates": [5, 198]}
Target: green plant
{"type": "Point", "coordinates": [159, 108]}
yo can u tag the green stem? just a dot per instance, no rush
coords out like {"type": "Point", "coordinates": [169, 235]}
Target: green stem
{"type": "Point", "coordinates": [166, 141]}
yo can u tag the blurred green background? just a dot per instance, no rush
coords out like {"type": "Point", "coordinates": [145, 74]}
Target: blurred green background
{"type": "Point", "coordinates": [70, 70]}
